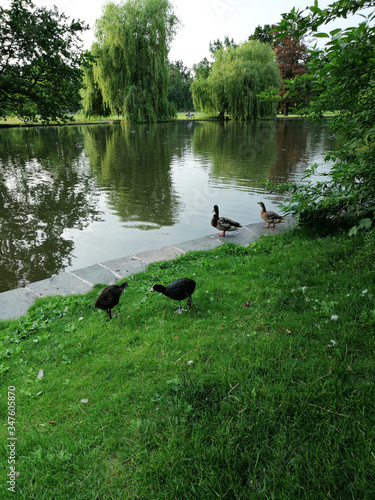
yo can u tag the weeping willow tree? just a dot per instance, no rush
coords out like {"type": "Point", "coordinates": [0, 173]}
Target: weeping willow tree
{"type": "Point", "coordinates": [92, 97]}
{"type": "Point", "coordinates": [236, 78]}
{"type": "Point", "coordinates": [131, 50]}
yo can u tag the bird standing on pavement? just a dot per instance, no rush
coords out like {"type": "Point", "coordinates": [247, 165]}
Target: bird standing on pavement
{"type": "Point", "coordinates": [269, 216]}
{"type": "Point", "coordinates": [223, 223]}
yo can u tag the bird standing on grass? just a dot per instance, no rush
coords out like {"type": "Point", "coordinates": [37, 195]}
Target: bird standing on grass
{"type": "Point", "coordinates": [223, 223]}
{"type": "Point", "coordinates": [110, 297]}
{"type": "Point", "coordinates": [179, 289]}
{"type": "Point", "coordinates": [269, 216]}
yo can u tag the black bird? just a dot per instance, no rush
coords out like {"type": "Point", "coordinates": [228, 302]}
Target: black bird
{"type": "Point", "coordinates": [179, 289]}
{"type": "Point", "coordinates": [110, 297]}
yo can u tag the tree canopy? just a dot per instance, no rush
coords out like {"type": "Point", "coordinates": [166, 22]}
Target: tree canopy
{"type": "Point", "coordinates": [340, 79]}
{"type": "Point", "coordinates": [292, 56]}
{"type": "Point", "coordinates": [237, 76]}
{"type": "Point", "coordinates": [263, 35]}
{"type": "Point", "coordinates": [179, 91]}
{"type": "Point", "coordinates": [40, 60]}
{"type": "Point", "coordinates": [131, 52]}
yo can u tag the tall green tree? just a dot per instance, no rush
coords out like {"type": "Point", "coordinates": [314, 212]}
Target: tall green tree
{"type": "Point", "coordinates": [263, 35]}
{"type": "Point", "coordinates": [179, 92]}
{"type": "Point", "coordinates": [92, 98]}
{"type": "Point", "coordinates": [219, 45]}
{"type": "Point", "coordinates": [40, 60]}
{"type": "Point", "coordinates": [202, 69]}
{"type": "Point", "coordinates": [236, 78]}
{"type": "Point", "coordinates": [340, 79]}
{"type": "Point", "coordinates": [131, 69]}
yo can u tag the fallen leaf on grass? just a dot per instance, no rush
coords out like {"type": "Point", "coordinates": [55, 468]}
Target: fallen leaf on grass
{"type": "Point", "coordinates": [285, 330]}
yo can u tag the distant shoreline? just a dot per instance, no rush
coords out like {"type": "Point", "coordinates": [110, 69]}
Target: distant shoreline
{"type": "Point", "coordinates": [117, 121]}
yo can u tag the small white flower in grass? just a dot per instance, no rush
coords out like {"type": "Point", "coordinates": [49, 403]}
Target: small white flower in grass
{"type": "Point", "coordinates": [40, 374]}
{"type": "Point", "coordinates": [80, 319]}
{"type": "Point", "coordinates": [190, 362]}
{"type": "Point", "coordinates": [85, 400]}
{"type": "Point", "coordinates": [364, 292]}
{"type": "Point", "coordinates": [35, 340]}
{"type": "Point", "coordinates": [333, 342]}
{"type": "Point", "coordinates": [334, 317]}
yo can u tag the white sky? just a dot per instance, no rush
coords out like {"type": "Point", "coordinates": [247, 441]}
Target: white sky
{"type": "Point", "coordinates": [202, 20]}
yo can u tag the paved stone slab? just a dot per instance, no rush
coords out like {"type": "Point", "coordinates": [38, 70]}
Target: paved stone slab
{"type": "Point", "coordinates": [62, 284]}
{"type": "Point", "coordinates": [125, 266]}
{"type": "Point", "coordinates": [15, 303]}
{"type": "Point", "coordinates": [205, 243]}
{"type": "Point", "coordinates": [96, 274]}
{"type": "Point", "coordinates": [165, 253]}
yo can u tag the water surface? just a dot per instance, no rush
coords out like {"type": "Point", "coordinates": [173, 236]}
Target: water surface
{"type": "Point", "coordinates": [74, 196]}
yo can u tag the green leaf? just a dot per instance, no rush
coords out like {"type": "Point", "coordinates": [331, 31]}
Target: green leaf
{"type": "Point", "coordinates": [365, 223]}
{"type": "Point", "coordinates": [321, 35]}
{"type": "Point", "coordinates": [334, 32]}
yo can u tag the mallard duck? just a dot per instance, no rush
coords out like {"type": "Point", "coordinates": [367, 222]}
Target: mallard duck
{"type": "Point", "coordinates": [180, 289]}
{"type": "Point", "coordinates": [223, 223]}
{"type": "Point", "coordinates": [269, 216]}
{"type": "Point", "coordinates": [110, 297]}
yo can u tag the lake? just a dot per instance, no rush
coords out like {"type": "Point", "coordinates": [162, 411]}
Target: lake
{"type": "Point", "coordinates": [73, 196]}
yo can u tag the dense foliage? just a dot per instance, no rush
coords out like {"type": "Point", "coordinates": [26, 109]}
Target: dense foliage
{"type": "Point", "coordinates": [292, 56]}
{"type": "Point", "coordinates": [131, 51]}
{"type": "Point", "coordinates": [237, 76]}
{"type": "Point", "coordinates": [92, 97]}
{"type": "Point", "coordinates": [179, 92]}
{"type": "Point", "coordinates": [341, 80]}
{"type": "Point", "coordinates": [40, 60]}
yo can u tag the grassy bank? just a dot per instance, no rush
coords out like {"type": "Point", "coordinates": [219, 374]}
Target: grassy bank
{"type": "Point", "coordinates": [79, 119]}
{"type": "Point", "coordinates": [264, 389]}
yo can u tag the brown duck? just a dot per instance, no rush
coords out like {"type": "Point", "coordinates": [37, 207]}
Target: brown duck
{"type": "Point", "coordinates": [223, 223]}
{"type": "Point", "coordinates": [269, 216]}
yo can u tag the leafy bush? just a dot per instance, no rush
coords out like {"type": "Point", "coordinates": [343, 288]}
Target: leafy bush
{"type": "Point", "coordinates": [341, 80]}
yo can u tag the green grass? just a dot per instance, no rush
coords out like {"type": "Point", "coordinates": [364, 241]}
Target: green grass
{"type": "Point", "coordinates": [264, 389]}
{"type": "Point", "coordinates": [79, 118]}
{"type": "Point", "coordinates": [197, 115]}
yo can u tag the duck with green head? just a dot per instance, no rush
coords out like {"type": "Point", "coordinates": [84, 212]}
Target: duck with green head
{"type": "Point", "coordinates": [223, 223]}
